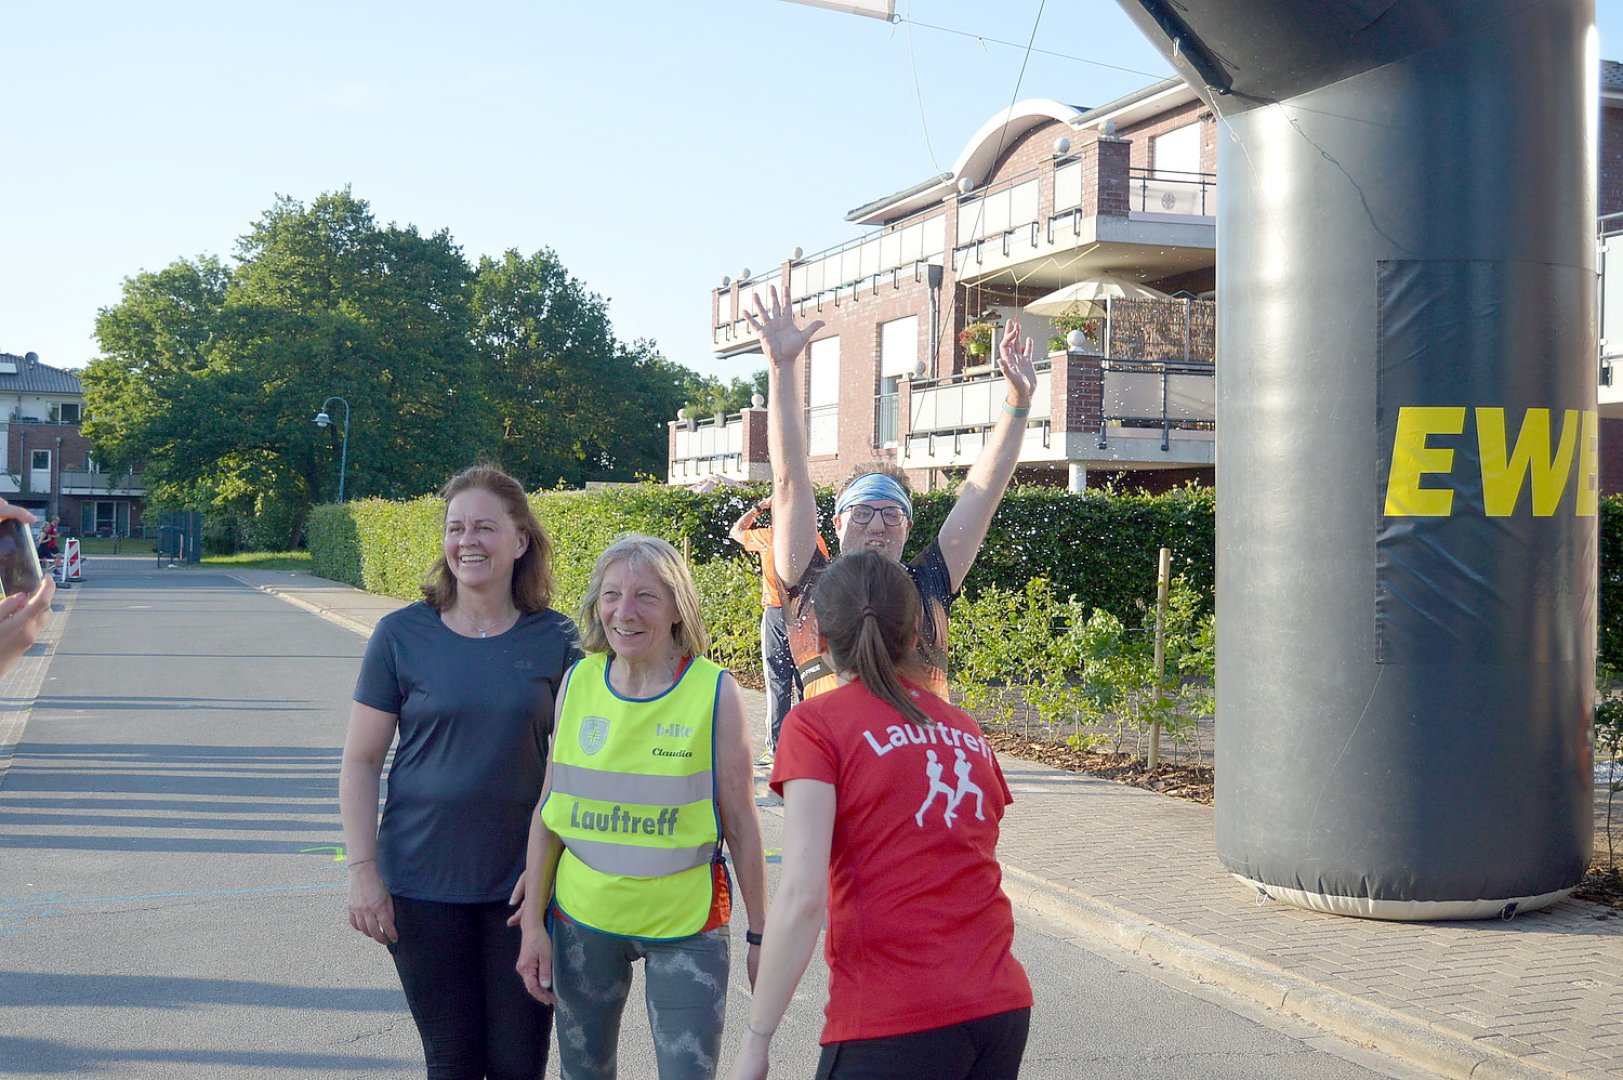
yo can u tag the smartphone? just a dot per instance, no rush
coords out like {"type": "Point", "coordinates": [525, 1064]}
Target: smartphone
{"type": "Point", "coordinates": [19, 560]}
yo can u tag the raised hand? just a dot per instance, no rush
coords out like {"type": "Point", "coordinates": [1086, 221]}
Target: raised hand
{"type": "Point", "coordinates": [1015, 363]}
{"type": "Point", "coordinates": [781, 339]}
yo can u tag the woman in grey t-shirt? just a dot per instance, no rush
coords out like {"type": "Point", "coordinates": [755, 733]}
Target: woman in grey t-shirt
{"type": "Point", "coordinates": [466, 678]}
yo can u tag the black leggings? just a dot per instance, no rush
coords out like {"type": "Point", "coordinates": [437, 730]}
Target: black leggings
{"type": "Point", "coordinates": [456, 965]}
{"type": "Point", "coordinates": [989, 1048]}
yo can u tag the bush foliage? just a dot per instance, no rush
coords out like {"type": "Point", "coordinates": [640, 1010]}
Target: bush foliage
{"type": "Point", "coordinates": [1058, 602]}
{"type": "Point", "coordinates": [1098, 549]}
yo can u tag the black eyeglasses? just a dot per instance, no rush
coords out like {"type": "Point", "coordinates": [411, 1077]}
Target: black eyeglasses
{"type": "Point", "coordinates": [862, 513]}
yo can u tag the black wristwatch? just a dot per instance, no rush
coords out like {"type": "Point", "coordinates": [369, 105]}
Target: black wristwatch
{"type": "Point", "coordinates": [751, 937]}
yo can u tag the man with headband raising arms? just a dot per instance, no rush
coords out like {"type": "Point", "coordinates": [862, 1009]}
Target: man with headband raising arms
{"type": "Point", "coordinates": [874, 508]}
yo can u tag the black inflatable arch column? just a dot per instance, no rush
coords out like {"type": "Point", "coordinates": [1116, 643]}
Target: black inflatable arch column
{"type": "Point", "coordinates": [1406, 445]}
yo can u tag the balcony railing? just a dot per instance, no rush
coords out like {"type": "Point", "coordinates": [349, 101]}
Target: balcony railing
{"type": "Point", "coordinates": [1166, 191]}
{"type": "Point", "coordinates": [719, 445]}
{"type": "Point", "coordinates": [1611, 302]}
{"type": "Point", "coordinates": [96, 482]}
{"type": "Point", "coordinates": [969, 402]}
{"type": "Point", "coordinates": [949, 419]}
{"type": "Point", "coordinates": [1156, 378]}
{"type": "Point", "coordinates": [887, 419]}
{"type": "Point", "coordinates": [1159, 395]}
{"type": "Point", "coordinates": [1008, 223]}
{"type": "Point", "coordinates": [877, 260]}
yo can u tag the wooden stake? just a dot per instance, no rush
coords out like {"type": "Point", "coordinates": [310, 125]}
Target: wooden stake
{"type": "Point", "coordinates": [1163, 581]}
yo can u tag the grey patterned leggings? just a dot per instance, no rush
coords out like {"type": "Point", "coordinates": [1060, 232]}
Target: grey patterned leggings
{"type": "Point", "coordinates": [686, 991]}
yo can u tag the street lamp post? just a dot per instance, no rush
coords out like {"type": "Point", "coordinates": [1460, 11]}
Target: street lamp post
{"type": "Point", "coordinates": [322, 420]}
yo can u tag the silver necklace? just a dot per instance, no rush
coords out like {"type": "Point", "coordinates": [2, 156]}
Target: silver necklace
{"type": "Point", "coordinates": [484, 631]}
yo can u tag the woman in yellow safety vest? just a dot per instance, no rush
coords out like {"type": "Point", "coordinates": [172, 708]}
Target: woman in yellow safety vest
{"type": "Point", "coordinates": [650, 771]}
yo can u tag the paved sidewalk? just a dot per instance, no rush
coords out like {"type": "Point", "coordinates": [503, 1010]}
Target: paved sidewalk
{"type": "Point", "coordinates": [1539, 996]}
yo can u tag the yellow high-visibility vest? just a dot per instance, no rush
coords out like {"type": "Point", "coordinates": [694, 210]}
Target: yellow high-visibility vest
{"type": "Point", "coordinates": [633, 799]}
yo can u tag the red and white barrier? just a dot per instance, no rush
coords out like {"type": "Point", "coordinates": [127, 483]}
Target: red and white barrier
{"type": "Point", "coordinates": [70, 566]}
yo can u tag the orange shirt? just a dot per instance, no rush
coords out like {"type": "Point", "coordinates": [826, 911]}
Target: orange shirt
{"type": "Point", "coordinates": [760, 542]}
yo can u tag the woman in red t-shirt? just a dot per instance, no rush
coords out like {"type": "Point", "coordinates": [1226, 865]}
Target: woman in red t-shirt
{"type": "Point", "coordinates": [891, 807]}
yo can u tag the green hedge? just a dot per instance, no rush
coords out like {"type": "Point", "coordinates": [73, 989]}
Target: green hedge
{"type": "Point", "coordinates": [1097, 549]}
{"type": "Point", "coordinates": [388, 548]}
{"type": "Point", "coordinates": [1611, 581]}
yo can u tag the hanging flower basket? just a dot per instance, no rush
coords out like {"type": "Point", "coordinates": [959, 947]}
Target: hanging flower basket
{"type": "Point", "coordinates": [1071, 320]}
{"type": "Point", "coordinates": [976, 339]}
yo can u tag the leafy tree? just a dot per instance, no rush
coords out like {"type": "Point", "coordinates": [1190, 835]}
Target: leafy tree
{"type": "Point", "coordinates": [573, 403]}
{"type": "Point", "coordinates": [328, 303]}
{"type": "Point", "coordinates": [707, 395]}
{"type": "Point", "coordinates": [149, 389]}
{"type": "Point", "coordinates": [211, 378]}
{"type": "Point", "coordinates": [210, 374]}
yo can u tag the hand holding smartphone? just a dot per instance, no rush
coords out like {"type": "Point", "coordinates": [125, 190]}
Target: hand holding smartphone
{"type": "Point", "coordinates": [19, 561]}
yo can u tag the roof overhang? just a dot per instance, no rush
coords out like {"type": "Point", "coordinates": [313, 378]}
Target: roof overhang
{"type": "Point", "coordinates": [979, 157]}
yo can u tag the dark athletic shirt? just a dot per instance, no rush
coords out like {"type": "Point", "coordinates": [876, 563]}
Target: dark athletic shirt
{"type": "Point", "coordinates": [475, 716]}
{"type": "Point", "coordinates": [928, 569]}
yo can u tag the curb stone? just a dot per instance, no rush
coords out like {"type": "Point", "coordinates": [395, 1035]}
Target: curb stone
{"type": "Point", "coordinates": [353, 625]}
{"type": "Point", "coordinates": [1411, 1040]}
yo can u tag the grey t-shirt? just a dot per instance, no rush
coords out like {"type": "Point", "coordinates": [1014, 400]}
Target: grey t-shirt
{"type": "Point", "coordinates": [475, 715]}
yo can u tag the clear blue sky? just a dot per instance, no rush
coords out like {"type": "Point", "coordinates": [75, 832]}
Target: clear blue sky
{"type": "Point", "coordinates": [656, 146]}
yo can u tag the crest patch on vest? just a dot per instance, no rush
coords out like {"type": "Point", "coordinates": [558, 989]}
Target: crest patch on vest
{"type": "Point", "coordinates": [594, 732]}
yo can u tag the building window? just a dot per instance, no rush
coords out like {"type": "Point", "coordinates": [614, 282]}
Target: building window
{"type": "Point", "coordinates": [40, 460]}
{"type": "Point", "coordinates": [898, 357]}
{"type": "Point", "coordinates": [1174, 183]}
{"type": "Point", "coordinates": [100, 517]}
{"type": "Point", "coordinates": [1177, 153]}
{"type": "Point", "coordinates": [69, 412]}
{"type": "Point", "coordinates": [823, 397]}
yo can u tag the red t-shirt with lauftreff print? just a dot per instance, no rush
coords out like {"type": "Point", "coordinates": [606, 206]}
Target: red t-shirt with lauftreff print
{"type": "Point", "coordinates": [919, 930]}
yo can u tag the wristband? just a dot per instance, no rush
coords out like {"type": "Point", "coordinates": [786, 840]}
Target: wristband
{"type": "Point", "coordinates": [752, 938]}
{"type": "Point", "coordinates": [753, 1030]}
{"type": "Point", "coordinates": [1017, 413]}
{"type": "Point", "coordinates": [359, 862]}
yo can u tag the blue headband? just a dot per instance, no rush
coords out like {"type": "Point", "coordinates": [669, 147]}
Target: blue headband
{"type": "Point", "coordinates": [873, 487]}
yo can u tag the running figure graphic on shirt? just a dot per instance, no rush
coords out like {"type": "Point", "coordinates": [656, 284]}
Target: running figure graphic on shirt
{"type": "Point", "coordinates": [934, 770]}
{"type": "Point", "coordinates": [965, 785]}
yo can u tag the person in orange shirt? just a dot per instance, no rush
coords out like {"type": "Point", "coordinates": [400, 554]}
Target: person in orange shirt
{"type": "Point", "coordinates": [783, 686]}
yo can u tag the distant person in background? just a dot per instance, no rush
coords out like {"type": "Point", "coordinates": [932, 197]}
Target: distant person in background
{"type": "Point", "coordinates": [22, 615]}
{"type": "Point", "coordinates": [466, 677]}
{"type": "Point", "coordinates": [49, 535]}
{"type": "Point", "coordinates": [783, 687]}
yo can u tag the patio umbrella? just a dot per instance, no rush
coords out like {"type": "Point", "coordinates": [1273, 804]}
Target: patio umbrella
{"type": "Point", "coordinates": [1088, 296]}
{"type": "Point", "coordinates": [712, 482]}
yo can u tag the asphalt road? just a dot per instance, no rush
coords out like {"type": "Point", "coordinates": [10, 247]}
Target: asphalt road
{"type": "Point", "coordinates": [171, 905]}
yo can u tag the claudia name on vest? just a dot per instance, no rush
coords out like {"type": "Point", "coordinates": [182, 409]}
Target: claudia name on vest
{"type": "Point", "coordinates": [620, 820]}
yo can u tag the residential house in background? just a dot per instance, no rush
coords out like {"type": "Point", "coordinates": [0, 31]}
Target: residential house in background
{"type": "Point", "coordinates": [46, 464]}
{"type": "Point", "coordinates": [1610, 207]}
{"type": "Point", "coordinates": [1043, 196]}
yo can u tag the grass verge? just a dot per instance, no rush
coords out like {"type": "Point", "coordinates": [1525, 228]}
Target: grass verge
{"type": "Point", "coordinates": [261, 560]}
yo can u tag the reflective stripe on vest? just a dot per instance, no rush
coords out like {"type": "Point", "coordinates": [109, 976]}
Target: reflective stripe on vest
{"type": "Point", "coordinates": [619, 787]}
{"type": "Point", "coordinates": [633, 800]}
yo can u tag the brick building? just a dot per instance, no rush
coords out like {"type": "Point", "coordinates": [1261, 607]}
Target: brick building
{"type": "Point", "coordinates": [45, 462]}
{"type": "Point", "coordinates": [1609, 201]}
{"type": "Point", "coordinates": [1043, 196]}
